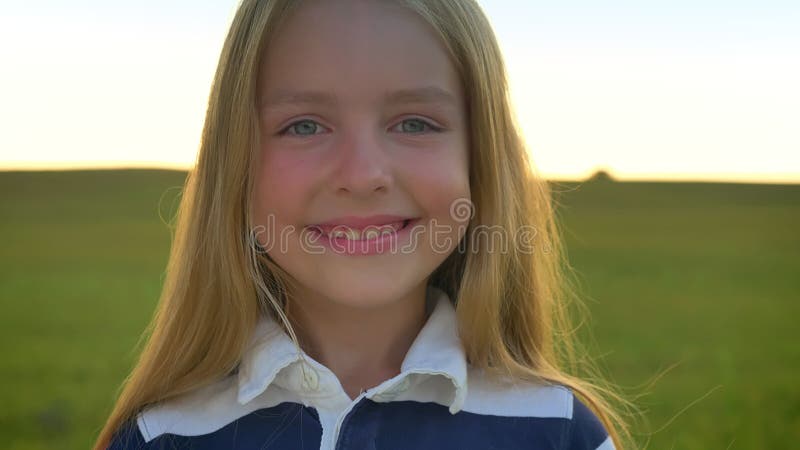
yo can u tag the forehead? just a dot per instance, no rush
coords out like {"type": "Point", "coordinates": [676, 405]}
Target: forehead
{"type": "Point", "coordinates": [355, 50]}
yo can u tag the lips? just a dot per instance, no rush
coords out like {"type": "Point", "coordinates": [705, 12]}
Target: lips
{"type": "Point", "coordinates": [368, 232]}
{"type": "Point", "coordinates": [369, 240]}
{"type": "Point", "coordinates": [354, 227]}
{"type": "Point", "coordinates": [342, 231]}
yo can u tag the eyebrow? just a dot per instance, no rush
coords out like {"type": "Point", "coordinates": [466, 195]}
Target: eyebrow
{"type": "Point", "coordinates": [427, 94]}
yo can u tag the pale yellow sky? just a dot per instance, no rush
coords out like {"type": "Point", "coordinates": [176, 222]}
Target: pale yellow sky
{"type": "Point", "coordinates": [646, 94]}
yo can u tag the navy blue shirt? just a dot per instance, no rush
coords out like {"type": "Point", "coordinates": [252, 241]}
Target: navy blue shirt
{"type": "Point", "coordinates": [281, 398]}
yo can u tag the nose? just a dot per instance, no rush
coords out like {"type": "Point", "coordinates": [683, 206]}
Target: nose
{"type": "Point", "coordinates": [363, 167]}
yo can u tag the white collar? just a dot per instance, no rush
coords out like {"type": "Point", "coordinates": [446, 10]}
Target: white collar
{"type": "Point", "coordinates": [434, 368]}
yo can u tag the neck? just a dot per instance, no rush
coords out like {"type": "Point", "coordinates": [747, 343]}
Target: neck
{"type": "Point", "coordinates": [362, 346]}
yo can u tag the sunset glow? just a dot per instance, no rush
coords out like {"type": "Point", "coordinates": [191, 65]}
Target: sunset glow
{"type": "Point", "coordinates": [686, 91]}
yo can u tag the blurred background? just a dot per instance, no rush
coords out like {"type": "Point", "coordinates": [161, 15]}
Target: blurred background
{"type": "Point", "coordinates": [670, 132]}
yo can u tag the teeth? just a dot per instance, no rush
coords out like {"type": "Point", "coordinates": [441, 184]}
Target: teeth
{"type": "Point", "coordinates": [370, 232]}
{"type": "Point", "coordinates": [348, 233]}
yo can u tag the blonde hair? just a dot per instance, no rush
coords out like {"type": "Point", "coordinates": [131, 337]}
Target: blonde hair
{"type": "Point", "coordinates": [513, 307]}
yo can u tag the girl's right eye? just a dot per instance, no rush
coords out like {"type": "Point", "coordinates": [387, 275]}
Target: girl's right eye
{"type": "Point", "coordinates": [305, 127]}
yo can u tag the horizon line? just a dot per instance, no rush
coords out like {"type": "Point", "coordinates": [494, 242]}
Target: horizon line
{"type": "Point", "coordinates": [754, 178]}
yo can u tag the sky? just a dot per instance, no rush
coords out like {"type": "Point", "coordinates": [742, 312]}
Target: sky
{"type": "Point", "coordinates": [673, 90]}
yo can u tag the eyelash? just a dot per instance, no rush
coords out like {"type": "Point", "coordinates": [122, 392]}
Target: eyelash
{"type": "Point", "coordinates": [284, 131]}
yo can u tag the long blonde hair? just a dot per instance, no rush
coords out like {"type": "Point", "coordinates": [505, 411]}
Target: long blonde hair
{"type": "Point", "coordinates": [513, 306]}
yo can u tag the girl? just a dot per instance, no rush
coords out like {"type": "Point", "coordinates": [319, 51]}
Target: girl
{"type": "Point", "coordinates": [363, 257]}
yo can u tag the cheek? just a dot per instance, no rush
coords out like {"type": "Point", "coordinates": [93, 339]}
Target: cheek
{"type": "Point", "coordinates": [439, 183]}
{"type": "Point", "coordinates": [285, 184]}
{"type": "Point", "coordinates": [438, 180]}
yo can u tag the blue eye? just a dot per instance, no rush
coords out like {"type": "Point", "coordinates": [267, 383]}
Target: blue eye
{"type": "Point", "coordinates": [308, 127]}
{"type": "Point", "coordinates": [417, 126]}
{"type": "Point", "coordinates": [303, 127]}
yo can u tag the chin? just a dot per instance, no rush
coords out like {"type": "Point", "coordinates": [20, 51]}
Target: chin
{"type": "Point", "coordinates": [349, 289]}
{"type": "Point", "coordinates": [366, 294]}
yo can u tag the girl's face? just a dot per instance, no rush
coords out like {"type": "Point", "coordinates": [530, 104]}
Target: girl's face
{"type": "Point", "coordinates": [362, 115]}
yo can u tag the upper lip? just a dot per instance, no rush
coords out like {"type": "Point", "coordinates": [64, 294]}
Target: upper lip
{"type": "Point", "coordinates": [358, 223]}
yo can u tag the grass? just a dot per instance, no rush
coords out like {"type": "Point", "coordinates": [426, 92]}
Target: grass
{"type": "Point", "coordinates": [700, 278]}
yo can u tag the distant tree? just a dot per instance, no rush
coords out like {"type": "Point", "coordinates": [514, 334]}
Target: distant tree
{"type": "Point", "coordinates": [601, 176]}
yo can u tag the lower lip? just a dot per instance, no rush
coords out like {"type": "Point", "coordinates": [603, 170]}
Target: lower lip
{"type": "Point", "coordinates": [379, 245]}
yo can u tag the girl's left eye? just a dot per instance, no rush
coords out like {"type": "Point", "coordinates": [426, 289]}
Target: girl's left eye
{"type": "Point", "coordinates": [416, 126]}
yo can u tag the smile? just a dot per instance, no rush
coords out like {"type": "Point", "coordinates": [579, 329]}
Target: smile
{"type": "Point", "coordinates": [368, 240]}
{"type": "Point", "coordinates": [357, 234]}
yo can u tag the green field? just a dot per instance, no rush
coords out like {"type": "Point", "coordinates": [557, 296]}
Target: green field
{"type": "Point", "coordinates": [702, 278]}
